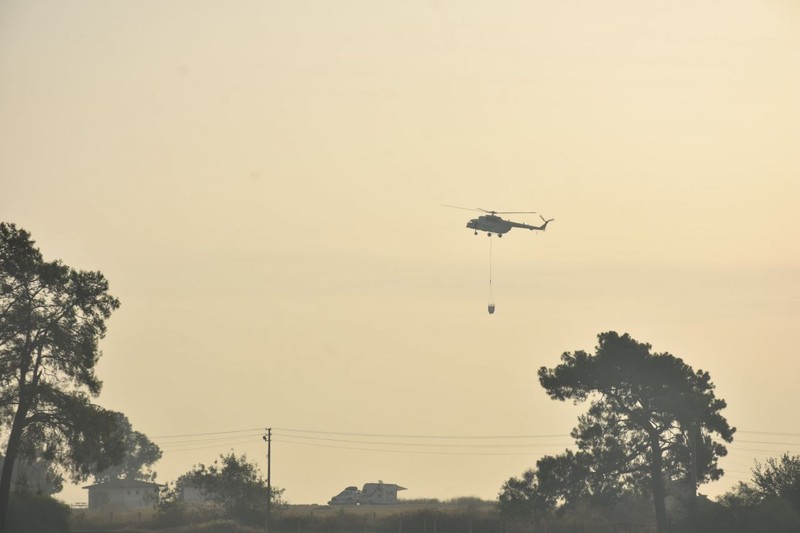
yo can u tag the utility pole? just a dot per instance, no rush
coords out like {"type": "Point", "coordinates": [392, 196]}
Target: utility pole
{"type": "Point", "coordinates": [268, 438]}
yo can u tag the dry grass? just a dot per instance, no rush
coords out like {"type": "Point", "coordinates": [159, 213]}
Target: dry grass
{"type": "Point", "coordinates": [133, 521]}
{"type": "Point", "coordinates": [470, 506]}
{"type": "Point", "coordinates": [115, 517]}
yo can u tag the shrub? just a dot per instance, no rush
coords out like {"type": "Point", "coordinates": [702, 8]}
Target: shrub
{"type": "Point", "coordinates": [29, 513]}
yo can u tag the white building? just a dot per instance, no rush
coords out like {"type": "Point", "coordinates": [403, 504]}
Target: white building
{"type": "Point", "coordinates": [372, 493]}
{"type": "Point", "coordinates": [380, 492]}
{"type": "Point", "coordinates": [123, 493]}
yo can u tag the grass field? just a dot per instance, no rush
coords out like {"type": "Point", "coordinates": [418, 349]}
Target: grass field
{"type": "Point", "coordinates": [467, 505]}
{"type": "Point", "coordinates": [292, 518]}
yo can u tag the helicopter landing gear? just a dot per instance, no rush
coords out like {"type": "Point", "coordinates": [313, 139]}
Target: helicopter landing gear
{"type": "Point", "coordinates": [476, 233]}
{"type": "Point", "coordinates": [499, 235]}
{"type": "Point", "coordinates": [488, 234]}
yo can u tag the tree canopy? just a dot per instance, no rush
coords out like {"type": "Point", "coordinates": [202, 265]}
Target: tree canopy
{"type": "Point", "coordinates": [140, 454]}
{"type": "Point", "coordinates": [651, 417]}
{"type": "Point", "coordinates": [52, 318]}
{"type": "Point", "coordinates": [522, 497]}
{"type": "Point", "coordinates": [34, 475]}
{"type": "Point", "coordinates": [779, 478]}
{"type": "Point", "coordinates": [770, 501]}
{"type": "Point", "coordinates": [235, 484]}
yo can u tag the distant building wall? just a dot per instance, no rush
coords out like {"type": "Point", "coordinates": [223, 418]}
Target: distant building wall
{"type": "Point", "coordinates": [373, 493]}
{"type": "Point", "coordinates": [128, 494]}
{"type": "Point", "coordinates": [380, 493]}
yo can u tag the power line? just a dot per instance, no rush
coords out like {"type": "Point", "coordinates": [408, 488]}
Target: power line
{"type": "Point", "coordinates": [204, 440]}
{"type": "Point", "coordinates": [416, 452]}
{"type": "Point", "coordinates": [218, 439]}
{"type": "Point", "coordinates": [208, 440]}
{"type": "Point", "coordinates": [769, 433]}
{"type": "Point", "coordinates": [203, 434]}
{"type": "Point", "coordinates": [408, 436]}
{"type": "Point", "coordinates": [769, 442]}
{"type": "Point", "coordinates": [423, 444]}
{"type": "Point", "coordinates": [212, 447]}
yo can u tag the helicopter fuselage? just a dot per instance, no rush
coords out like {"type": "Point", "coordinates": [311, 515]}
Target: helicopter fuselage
{"type": "Point", "coordinates": [490, 224]}
{"type": "Point", "coordinates": [494, 224]}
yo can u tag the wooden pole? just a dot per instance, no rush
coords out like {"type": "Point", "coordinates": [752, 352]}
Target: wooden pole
{"type": "Point", "coordinates": [268, 438]}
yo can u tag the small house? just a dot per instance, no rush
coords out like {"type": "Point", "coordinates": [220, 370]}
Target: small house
{"type": "Point", "coordinates": [379, 493]}
{"type": "Point", "coordinates": [123, 493]}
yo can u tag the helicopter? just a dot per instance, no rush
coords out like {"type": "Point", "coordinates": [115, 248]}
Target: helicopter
{"type": "Point", "coordinates": [491, 223]}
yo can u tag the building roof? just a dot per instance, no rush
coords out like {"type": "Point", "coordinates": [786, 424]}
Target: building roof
{"type": "Point", "coordinates": [382, 484]}
{"type": "Point", "coordinates": [124, 484]}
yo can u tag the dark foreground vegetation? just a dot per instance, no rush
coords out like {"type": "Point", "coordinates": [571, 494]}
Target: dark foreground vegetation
{"type": "Point", "coordinates": [740, 511]}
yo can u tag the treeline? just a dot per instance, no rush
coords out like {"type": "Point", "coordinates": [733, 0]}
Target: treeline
{"type": "Point", "coordinates": [52, 318]}
{"type": "Point", "coordinates": [653, 432]}
{"type": "Point", "coordinates": [631, 514]}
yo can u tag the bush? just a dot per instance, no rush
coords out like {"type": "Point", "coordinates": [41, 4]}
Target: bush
{"type": "Point", "coordinates": [28, 513]}
{"type": "Point", "coordinates": [175, 513]}
{"type": "Point", "coordinates": [216, 526]}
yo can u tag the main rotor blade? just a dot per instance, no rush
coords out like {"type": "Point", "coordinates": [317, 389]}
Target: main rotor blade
{"type": "Point", "coordinates": [464, 208]}
{"type": "Point", "coordinates": [489, 210]}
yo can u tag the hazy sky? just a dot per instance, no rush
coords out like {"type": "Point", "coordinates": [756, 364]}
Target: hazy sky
{"type": "Point", "coordinates": [262, 183]}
